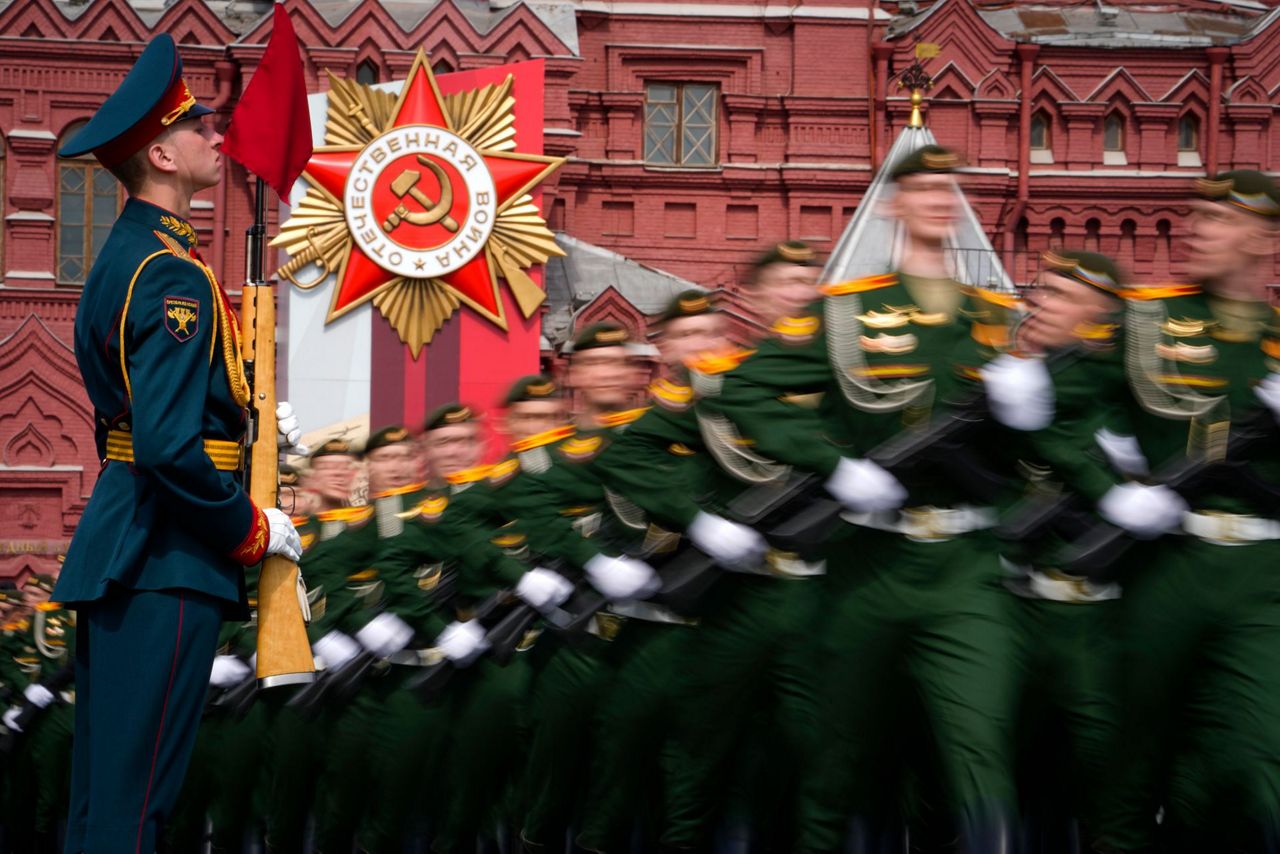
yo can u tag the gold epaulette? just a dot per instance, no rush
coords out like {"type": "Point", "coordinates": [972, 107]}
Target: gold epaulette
{"type": "Point", "coordinates": [622, 418]}
{"type": "Point", "coordinates": [345, 514]}
{"type": "Point", "coordinates": [995, 335]}
{"type": "Point", "coordinates": [363, 575]}
{"type": "Point", "coordinates": [546, 437]}
{"type": "Point", "coordinates": [719, 363]}
{"type": "Point", "coordinates": [893, 372]}
{"type": "Point", "coordinates": [1000, 298]}
{"type": "Point", "coordinates": [581, 447]}
{"type": "Point", "coordinates": [470, 475]}
{"type": "Point", "coordinates": [46, 607]}
{"type": "Point", "coordinates": [174, 246]}
{"type": "Point", "coordinates": [399, 490]}
{"type": "Point", "coordinates": [671, 395]}
{"type": "Point", "coordinates": [797, 330]}
{"type": "Point", "coordinates": [432, 507]}
{"type": "Point", "coordinates": [1159, 292]}
{"type": "Point", "coordinates": [1271, 347]}
{"type": "Point", "coordinates": [299, 521]}
{"type": "Point", "coordinates": [502, 471]}
{"type": "Point", "coordinates": [859, 286]}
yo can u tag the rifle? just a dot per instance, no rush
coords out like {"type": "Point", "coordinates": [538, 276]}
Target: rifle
{"type": "Point", "coordinates": [62, 678]}
{"type": "Point", "coordinates": [1094, 555]}
{"type": "Point", "coordinates": [428, 684]}
{"type": "Point", "coordinates": [284, 653]}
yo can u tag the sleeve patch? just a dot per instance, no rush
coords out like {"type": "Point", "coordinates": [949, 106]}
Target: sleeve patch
{"type": "Point", "coordinates": [182, 317]}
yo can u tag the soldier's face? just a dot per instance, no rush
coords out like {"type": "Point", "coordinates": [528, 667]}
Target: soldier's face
{"type": "Point", "coordinates": [392, 466]}
{"type": "Point", "coordinates": [531, 417]}
{"type": "Point", "coordinates": [452, 449]}
{"type": "Point", "coordinates": [686, 337]}
{"type": "Point", "coordinates": [331, 477]}
{"type": "Point", "coordinates": [782, 290]}
{"type": "Point", "coordinates": [604, 376]}
{"type": "Point", "coordinates": [1222, 241]}
{"type": "Point", "coordinates": [928, 205]}
{"type": "Point", "coordinates": [193, 152]}
{"type": "Point", "coordinates": [1061, 309]}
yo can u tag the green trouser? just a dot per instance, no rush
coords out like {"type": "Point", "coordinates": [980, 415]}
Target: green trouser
{"type": "Point", "coordinates": [568, 679]}
{"type": "Point", "coordinates": [222, 780]}
{"type": "Point", "coordinates": [344, 789]}
{"type": "Point", "coordinates": [39, 780]}
{"type": "Point", "coordinates": [934, 613]}
{"type": "Point", "coordinates": [295, 758]}
{"type": "Point", "coordinates": [1067, 710]}
{"type": "Point", "coordinates": [407, 752]}
{"type": "Point", "coordinates": [1200, 733]}
{"type": "Point", "coordinates": [747, 670]}
{"type": "Point", "coordinates": [634, 749]}
{"type": "Point", "coordinates": [489, 728]}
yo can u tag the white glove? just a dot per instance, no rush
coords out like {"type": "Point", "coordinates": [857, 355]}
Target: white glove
{"type": "Point", "coordinates": [335, 649]}
{"type": "Point", "coordinates": [283, 539]}
{"type": "Point", "coordinates": [1019, 392]}
{"type": "Point", "coordinates": [227, 671]}
{"type": "Point", "coordinates": [1122, 452]}
{"type": "Point", "coordinates": [543, 589]}
{"type": "Point", "coordinates": [1146, 512]}
{"type": "Point", "coordinates": [289, 431]}
{"type": "Point", "coordinates": [462, 643]}
{"type": "Point", "coordinates": [864, 487]}
{"type": "Point", "coordinates": [1268, 391]}
{"type": "Point", "coordinates": [732, 545]}
{"type": "Point", "coordinates": [385, 635]}
{"type": "Point", "coordinates": [622, 578]}
{"type": "Point", "coordinates": [38, 695]}
{"type": "Point", "coordinates": [11, 719]}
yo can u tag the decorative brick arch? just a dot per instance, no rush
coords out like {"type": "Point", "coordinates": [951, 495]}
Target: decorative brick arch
{"type": "Point", "coordinates": [610, 306]}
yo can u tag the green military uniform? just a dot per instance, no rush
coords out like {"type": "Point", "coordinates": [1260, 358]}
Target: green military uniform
{"type": "Point", "coordinates": [1201, 646]}
{"type": "Point", "coordinates": [42, 761]}
{"type": "Point", "coordinates": [914, 594]}
{"type": "Point", "coordinates": [1066, 628]}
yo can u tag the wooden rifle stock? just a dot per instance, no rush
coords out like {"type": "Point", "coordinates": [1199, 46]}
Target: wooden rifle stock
{"type": "Point", "coordinates": [284, 652]}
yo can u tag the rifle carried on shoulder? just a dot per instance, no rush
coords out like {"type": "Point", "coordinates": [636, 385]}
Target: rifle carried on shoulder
{"type": "Point", "coordinates": [284, 653]}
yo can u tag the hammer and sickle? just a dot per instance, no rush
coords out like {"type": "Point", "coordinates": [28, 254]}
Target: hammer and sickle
{"type": "Point", "coordinates": [407, 185]}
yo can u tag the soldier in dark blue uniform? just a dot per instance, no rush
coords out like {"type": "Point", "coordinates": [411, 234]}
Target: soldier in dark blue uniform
{"type": "Point", "coordinates": [159, 557]}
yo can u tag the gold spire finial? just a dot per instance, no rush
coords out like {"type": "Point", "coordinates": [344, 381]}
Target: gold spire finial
{"type": "Point", "coordinates": [918, 81]}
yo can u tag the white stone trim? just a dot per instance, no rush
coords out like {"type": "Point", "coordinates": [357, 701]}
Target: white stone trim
{"type": "Point", "coordinates": [734, 10]}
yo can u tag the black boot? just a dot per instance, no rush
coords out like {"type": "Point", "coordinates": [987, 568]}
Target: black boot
{"type": "Point", "coordinates": [990, 833]}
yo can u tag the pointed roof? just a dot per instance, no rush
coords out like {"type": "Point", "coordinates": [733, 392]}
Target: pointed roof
{"type": "Point", "coordinates": [872, 243]}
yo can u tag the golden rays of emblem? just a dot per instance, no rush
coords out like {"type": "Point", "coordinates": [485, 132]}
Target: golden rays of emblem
{"type": "Point", "coordinates": [417, 203]}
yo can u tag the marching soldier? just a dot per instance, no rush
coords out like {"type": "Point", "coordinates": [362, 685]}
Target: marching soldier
{"type": "Point", "coordinates": [1200, 731]}
{"type": "Point", "coordinates": [159, 556]}
{"type": "Point", "coordinates": [329, 478]}
{"type": "Point", "coordinates": [912, 593]}
{"type": "Point", "coordinates": [1065, 627]}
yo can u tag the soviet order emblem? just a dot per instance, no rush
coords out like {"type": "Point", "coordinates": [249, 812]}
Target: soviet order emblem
{"type": "Point", "coordinates": [418, 203]}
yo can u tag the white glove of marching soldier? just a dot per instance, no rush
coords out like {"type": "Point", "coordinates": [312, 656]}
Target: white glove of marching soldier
{"type": "Point", "coordinates": [227, 671]}
{"type": "Point", "coordinates": [335, 649]}
{"type": "Point", "coordinates": [385, 635]}
{"type": "Point", "coordinates": [1268, 391]}
{"type": "Point", "coordinates": [622, 578]}
{"type": "Point", "coordinates": [289, 431]}
{"type": "Point", "coordinates": [11, 719]}
{"type": "Point", "coordinates": [282, 537]}
{"type": "Point", "coordinates": [1019, 392]}
{"type": "Point", "coordinates": [730, 544]}
{"type": "Point", "coordinates": [38, 695]}
{"type": "Point", "coordinates": [1146, 512]}
{"type": "Point", "coordinates": [462, 643]}
{"type": "Point", "coordinates": [543, 589]}
{"type": "Point", "coordinates": [864, 487]}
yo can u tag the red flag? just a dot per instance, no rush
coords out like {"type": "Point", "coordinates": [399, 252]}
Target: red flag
{"type": "Point", "coordinates": [270, 129]}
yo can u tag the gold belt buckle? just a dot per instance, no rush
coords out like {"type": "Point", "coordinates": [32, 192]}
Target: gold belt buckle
{"type": "Point", "coordinates": [926, 522]}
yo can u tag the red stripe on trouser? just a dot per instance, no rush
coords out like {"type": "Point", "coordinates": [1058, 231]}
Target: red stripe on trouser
{"type": "Point", "coordinates": [164, 710]}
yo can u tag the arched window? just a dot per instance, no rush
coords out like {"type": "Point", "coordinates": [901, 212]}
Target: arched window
{"type": "Point", "coordinates": [1092, 234]}
{"type": "Point", "coordinates": [1189, 140]}
{"type": "Point", "coordinates": [1113, 140]}
{"type": "Point", "coordinates": [367, 72]}
{"type": "Point", "coordinates": [1128, 243]}
{"type": "Point", "coordinates": [89, 199]}
{"type": "Point", "coordinates": [1041, 141]}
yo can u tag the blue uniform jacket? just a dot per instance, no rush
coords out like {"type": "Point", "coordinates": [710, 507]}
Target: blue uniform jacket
{"type": "Point", "coordinates": [156, 343]}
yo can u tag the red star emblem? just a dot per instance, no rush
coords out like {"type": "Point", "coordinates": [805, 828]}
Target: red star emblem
{"type": "Point", "coordinates": [422, 204]}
